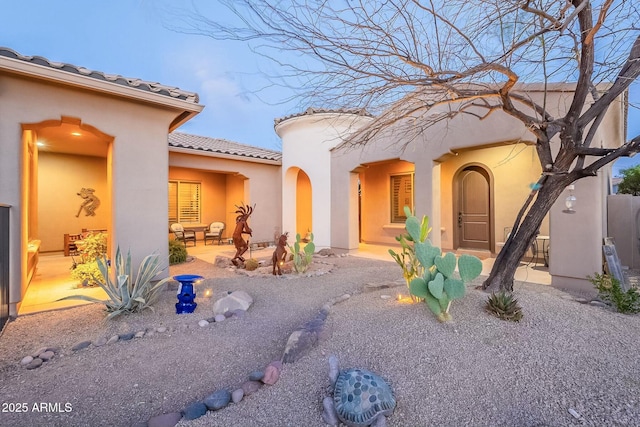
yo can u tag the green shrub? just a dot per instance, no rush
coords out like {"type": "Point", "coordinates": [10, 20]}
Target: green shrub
{"type": "Point", "coordinates": [88, 274]}
{"type": "Point", "coordinates": [126, 293]}
{"type": "Point", "coordinates": [302, 258]}
{"type": "Point", "coordinates": [85, 270]}
{"type": "Point", "coordinates": [609, 291]}
{"type": "Point", "coordinates": [177, 252]}
{"type": "Point", "coordinates": [251, 264]}
{"type": "Point", "coordinates": [434, 280]}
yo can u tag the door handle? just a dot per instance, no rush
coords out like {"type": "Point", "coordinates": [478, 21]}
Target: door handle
{"type": "Point", "coordinates": [459, 219]}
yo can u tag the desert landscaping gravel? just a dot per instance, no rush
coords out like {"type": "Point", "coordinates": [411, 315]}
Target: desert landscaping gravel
{"type": "Point", "coordinates": [564, 364]}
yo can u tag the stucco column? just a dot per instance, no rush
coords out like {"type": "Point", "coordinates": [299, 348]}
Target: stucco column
{"type": "Point", "coordinates": [575, 245]}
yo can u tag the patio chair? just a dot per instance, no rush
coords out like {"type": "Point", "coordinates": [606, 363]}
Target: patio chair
{"type": "Point", "coordinates": [214, 232]}
{"type": "Point", "coordinates": [182, 235]}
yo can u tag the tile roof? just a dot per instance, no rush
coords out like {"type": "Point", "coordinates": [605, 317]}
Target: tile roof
{"type": "Point", "coordinates": [221, 146]}
{"type": "Point", "coordinates": [310, 111]}
{"type": "Point", "coordinates": [134, 83]}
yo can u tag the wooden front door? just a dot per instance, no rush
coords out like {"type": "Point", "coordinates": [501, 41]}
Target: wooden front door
{"type": "Point", "coordinates": [474, 209]}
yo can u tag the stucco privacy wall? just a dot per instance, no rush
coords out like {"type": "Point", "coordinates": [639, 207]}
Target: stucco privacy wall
{"type": "Point", "coordinates": [249, 182]}
{"type": "Point", "coordinates": [137, 166]}
{"type": "Point", "coordinates": [624, 227]}
{"type": "Point", "coordinates": [306, 143]}
{"type": "Point", "coordinates": [60, 178]}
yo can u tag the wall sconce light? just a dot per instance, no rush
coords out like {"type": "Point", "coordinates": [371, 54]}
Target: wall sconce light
{"type": "Point", "coordinates": [570, 201]}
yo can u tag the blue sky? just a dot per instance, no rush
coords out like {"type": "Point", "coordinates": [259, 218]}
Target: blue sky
{"type": "Point", "coordinates": [126, 37]}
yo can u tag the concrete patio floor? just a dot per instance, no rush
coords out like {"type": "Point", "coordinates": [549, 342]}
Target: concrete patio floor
{"type": "Point", "coordinates": [53, 281]}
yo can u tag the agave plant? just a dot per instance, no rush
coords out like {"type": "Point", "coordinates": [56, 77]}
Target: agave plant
{"type": "Point", "coordinates": [504, 306]}
{"type": "Point", "coordinates": [126, 293]}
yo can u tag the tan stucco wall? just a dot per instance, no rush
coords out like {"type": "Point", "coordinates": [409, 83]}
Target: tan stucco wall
{"type": "Point", "coordinates": [248, 183]}
{"type": "Point", "coordinates": [60, 178]}
{"type": "Point", "coordinates": [375, 181]}
{"type": "Point", "coordinates": [137, 166]}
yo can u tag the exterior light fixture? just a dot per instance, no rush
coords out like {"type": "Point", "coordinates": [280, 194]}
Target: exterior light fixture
{"type": "Point", "coordinates": [76, 134]}
{"type": "Point", "coordinates": [570, 201]}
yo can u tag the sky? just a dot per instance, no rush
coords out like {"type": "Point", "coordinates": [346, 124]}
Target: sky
{"type": "Point", "coordinates": [127, 37]}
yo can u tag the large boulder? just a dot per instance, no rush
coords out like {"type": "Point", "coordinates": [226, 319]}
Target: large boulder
{"type": "Point", "coordinates": [237, 300]}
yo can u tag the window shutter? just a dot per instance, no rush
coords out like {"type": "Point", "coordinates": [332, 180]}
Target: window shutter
{"type": "Point", "coordinates": [401, 196]}
{"type": "Point", "coordinates": [189, 202]}
{"type": "Point", "coordinates": [184, 202]}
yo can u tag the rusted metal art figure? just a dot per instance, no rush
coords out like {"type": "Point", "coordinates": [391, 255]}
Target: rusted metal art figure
{"type": "Point", "coordinates": [280, 254]}
{"type": "Point", "coordinates": [244, 212]}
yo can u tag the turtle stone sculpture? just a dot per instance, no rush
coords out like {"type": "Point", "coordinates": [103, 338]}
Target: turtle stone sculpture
{"type": "Point", "coordinates": [360, 398]}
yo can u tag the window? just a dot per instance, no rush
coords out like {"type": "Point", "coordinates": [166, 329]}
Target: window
{"type": "Point", "coordinates": [184, 202]}
{"type": "Point", "coordinates": [401, 196]}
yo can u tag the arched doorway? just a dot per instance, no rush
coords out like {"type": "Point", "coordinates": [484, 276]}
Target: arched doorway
{"type": "Point", "coordinates": [304, 217]}
{"type": "Point", "coordinates": [473, 208]}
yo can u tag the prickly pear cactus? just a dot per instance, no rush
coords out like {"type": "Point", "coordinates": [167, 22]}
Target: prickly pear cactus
{"type": "Point", "coordinates": [433, 278]}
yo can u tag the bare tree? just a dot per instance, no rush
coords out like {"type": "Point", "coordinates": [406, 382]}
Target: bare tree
{"type": "Point", "coordinates": [404, 59]}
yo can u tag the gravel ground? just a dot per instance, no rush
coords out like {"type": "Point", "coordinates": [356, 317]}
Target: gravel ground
{"type": "Point", "coordinates": [564, 364]}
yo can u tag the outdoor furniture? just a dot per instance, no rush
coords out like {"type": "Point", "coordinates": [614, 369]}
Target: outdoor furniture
{"type": "Point", "coordinates": [70, 247]}
{"type": "Point", "coordinates": [214, 232]}
{"type": "Point", "coordinates": [182, 235]}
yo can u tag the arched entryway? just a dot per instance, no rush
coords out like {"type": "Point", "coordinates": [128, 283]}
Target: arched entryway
{"type": "Point", "coordinates": [297, 203]}
{"type": "Point", "coordinates": [67, 191]}
{"type": "Point", "coordinates": [304, 216]}
{"type": "Point", "coordinates": [473, 208]}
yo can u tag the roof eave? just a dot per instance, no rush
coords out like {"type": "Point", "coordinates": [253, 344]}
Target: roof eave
{"type": "Point", "coordinates": [40, 72]}
{"type": "Point", "coordinates": [196, 152]}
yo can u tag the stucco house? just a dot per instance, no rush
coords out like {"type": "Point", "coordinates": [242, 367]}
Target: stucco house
{"type": "Point", "coordinates": [64, 128]}
{"type": "Point", "coordinates": [469, 176]}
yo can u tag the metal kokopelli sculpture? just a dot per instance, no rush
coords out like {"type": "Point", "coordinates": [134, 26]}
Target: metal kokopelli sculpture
{"type": "Point", "coordinates": [244, 212]}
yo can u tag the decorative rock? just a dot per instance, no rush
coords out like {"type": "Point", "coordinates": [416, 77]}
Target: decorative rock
{"type": "Point", "coordinates": [271, 375]}
{"type": "Point", "coordinates": [277, 364]}
{"type": "Point", "coordinates": [237, 395]}
{"type": "Point", "coordinates": [250, 387]}
{"type": "Point", "coordinates": [126, 337]}
{"type": "Point", "coordinates": [46, 355]}
{"type": "Point", "coordinates": [596, 303]}
{"type": "Point", "coordinates": [304, 338]}
{"type": "Point", "coordinates": [113, 339]}
{"type": "Point", "coordinates": [35, 363]}
{"type": "Point", "coordinates": [100, 342]}
{"type": "Point", "coordinates": [165, 420]}
{"type": "Point", "coordinates": [227, 314]}
{"type": "Point", "coordinates": [211, 319]}
{"type": "Point", "coordinates": [26, 360]}
{"type": "Point", "coordinates": [203, 323]}
{"type": "Point", "coordinates": [219, 318]}
{"type": "Point", "coordinates": [161, 329]}
{"type": "Point", "coordinates": [139, 334]}
{"type": "Point", "coordinates": [222, 261]}
{"type": "Point", "coordinates": [329, 414]}
{"type": "Point", "coordinates": [38, 351]}
{"type": "Point", "coordinates": [81, 345]}
{"type": "Point", "coordinates": [385, 296]}
{"type": "Point", "coordinates": [195, 410]}
{"type": "Point", "coordinates": [150, 332]}
{"type": "Point", "coordinates": [218, 400]}
{"type": "Point", "coordinates": [236, 300]}
{"type": "Point", "coordinates": [238, 314]}
{"type": "Point", "coordinates": [256, 376]}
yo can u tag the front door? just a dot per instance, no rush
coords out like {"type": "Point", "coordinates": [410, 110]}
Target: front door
{"type": "Point", "coordinates": [474, 209]}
